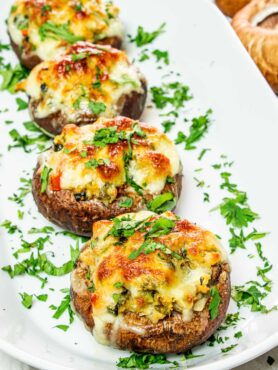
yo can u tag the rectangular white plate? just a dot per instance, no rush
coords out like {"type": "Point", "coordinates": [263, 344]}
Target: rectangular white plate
{"type": "Point", "coordinates": [221, 75]}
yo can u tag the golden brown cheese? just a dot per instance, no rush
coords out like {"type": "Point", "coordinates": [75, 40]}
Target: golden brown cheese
{"type": "Point", "coordinates": [155, 282]}
{"type": "Point", "coordinates": [89, 80]}
{"type": "Point", "coordinates": [47, 27]}
{"type": "Point", "coordinates": [80, 164]}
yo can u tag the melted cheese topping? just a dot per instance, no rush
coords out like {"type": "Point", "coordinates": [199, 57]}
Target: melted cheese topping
{"type": "Point", "coordinates": [74, 83]}
{"type": "Point", "coordinates": [73, 20]}
{"type": "Point", "coordinates": [149, 166]}
{"type": "Point", "coordinates": [152, 285]}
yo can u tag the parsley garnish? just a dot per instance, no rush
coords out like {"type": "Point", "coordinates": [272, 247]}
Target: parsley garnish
{"type": "Point", "coordinates": [11, 228]}
{"type": "Point", "coordinates": [25, 141]}
{"type": "Point", "coordinates": [11, 76]}
{"type": "Point", "coordinates": [228, 349]}
{"type": "Point", "coordinates": [65, 305]}
{"type": "Point", "coordinates": [96, 107]}
{"type": "Point", "coordinates": [197, 130]}
{"type": "Point", "coordinates": [21, 104]}
{"type": "Point", "coordinates": [174, 94]}
{"type": "Point", "coordinates": [161, 55]}
{"type": "Point", "coordinates": [188, 355]}
{"type": "Point", "coordinates": [161, 203]}
{"type": "Point", "coordinates": [26, 300]}
{"type": "Point", "coordinates": [143, 37]}
{"type": "Point", "coordinates": [214, 303]}
{"type": "Point", "coordinates": [80, 56]}
{"type": "Point", "coordinates": [62, 327]}
{"type": "Point", "coordinates": [45, 9]}
{"type": "Point", "coordinates": [126, 202]}
{"type": "Point", "coordinates": [44, 178]}
{"type": "Point", "coordinates": [57, 32]}
{"type": "Point", "coordinates": [143, 361]}
{"type": "Point", "coordinates": [42, 297]}
{"type": "Point", "coordinates": [168, 125]}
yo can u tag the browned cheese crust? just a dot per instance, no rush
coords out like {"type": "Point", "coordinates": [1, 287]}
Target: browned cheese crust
{"type": "Point", "coordinates": [30, 60]}
{"type": "Point", "coordinates": [171, 334]}
{"type": "Point", "coordinates": [133, 106]}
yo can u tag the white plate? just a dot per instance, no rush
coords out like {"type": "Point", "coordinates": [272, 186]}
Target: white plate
{"type": "Point", "coordinates": [221, 76]}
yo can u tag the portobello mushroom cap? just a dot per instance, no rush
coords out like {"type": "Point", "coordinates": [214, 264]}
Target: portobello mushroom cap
{"type": "Point", "coordinates": [87, 82]}
{"type": "Point", "coordinates": [98, 192]}
{"type": "Point", "coordinates": [37, 34]}
{"type": "Point", "coordinates": [96, 275]}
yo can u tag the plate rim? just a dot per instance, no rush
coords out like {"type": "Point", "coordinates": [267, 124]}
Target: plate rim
{"type": "Point", "coordinates": [223, 363]}
{"type": "Point", "coordinates": [235, 360]}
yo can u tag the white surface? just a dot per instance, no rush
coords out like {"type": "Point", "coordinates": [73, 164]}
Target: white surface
{"type": "Point", "coordinates": [222, 76]}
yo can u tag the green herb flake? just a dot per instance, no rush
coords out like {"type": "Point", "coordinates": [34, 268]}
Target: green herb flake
{"type": "Point", "coordinates": [228, 349]}
{"type": "Point", "coordinates": [118, 285]}
{"type": "Point", "coordinates": [161, 203]}
{"type": "Point", "coordinates": [167, 125]}
{"type": "Point", "coordinates": [96, 107]}
{"type": "Point", "coordinates": [80, 56]}
{"type": "Point", "coordinates": [143, 37]}
{"type": "Point", "coordinates": [161, 55]}
{"type": "Point", "coordinates": [126, 202]}
{"type": "Point", "coordinates": [42, 297]}
{"type": "Point", "coordinates": [21, 104]}
{"type": "Point", "coordinates": [44, 178]}
{"type": "Point", "coordinates": [58, 32]}
{"type": "Point", "coordinates": [143, 361]}
{"type": "Point", "coordinates": [214, 303]}
{"type": "Point", "coordinates": [26, 300]}
{"type": "Point", "coordinates": [174, 94]}
{"type": "Point", "coordinates": [62, 327]}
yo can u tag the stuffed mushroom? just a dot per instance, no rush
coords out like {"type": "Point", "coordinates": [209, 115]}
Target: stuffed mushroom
{"type": "Point", "coordinates": [87, 82]}
{"type": "Point", "coordinates": [154, 283]}
{"type": "Point", "coordinates": [105, 169]}
{"type": "Point", "coordinates": [40, 29]}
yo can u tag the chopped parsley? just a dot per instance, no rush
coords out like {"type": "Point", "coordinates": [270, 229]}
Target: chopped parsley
{"type": "Point", "coordinates": [167, 125]}
{"type": "Point", "coordinates": [174, 94]}
{"type": "Point", "coordinates": [228, 349]}
{"type": "Point", "coordinates": [126, 202]}
{"type": "Point", "coordinates": [27, 142]}
{"type": "Point", "coordinates": [96, 107]}
{"type": "Point", "coordinates": [64, 306]}
{"type": "Point", "coordinates": [197, 130]}
{"type": "Point", "coordinates": [26, 300]}
{"type": "Point", "coordinates": [161, 55]}
{"type": "Point", "coordinates": [43, 230]}
{"type": "Point", "coordinates": [214, 303]}
{"type": "Point", "coordinates": [143, 37]}
{"type": "Point", "coordinates": [161, 203]}
{"type": "Point", "coordinates": [42, 297]}
{"type": "Point", "coordinates": [45, 9]}
{"type": "Point", "coordinates": [189, 355]}
{"type": "Point", "coordinates": [11, 228]}
{"type": "Point", "coordinates": [24, 190]}
{"type": "Point", "coordinates": [44, 178]}
{"type": "Point", "coordinates": [62, 327]}
{"type": "Point", "coordinates": [143, 361]}
{"type": "Point", "coordinates": [21, 104]}
{"type": "Point", "coordinates": [58, 32]}
{"type": "Point", "coordinates": [80, 56]}
{"type": "Point", "coordinates": [11, 76]}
